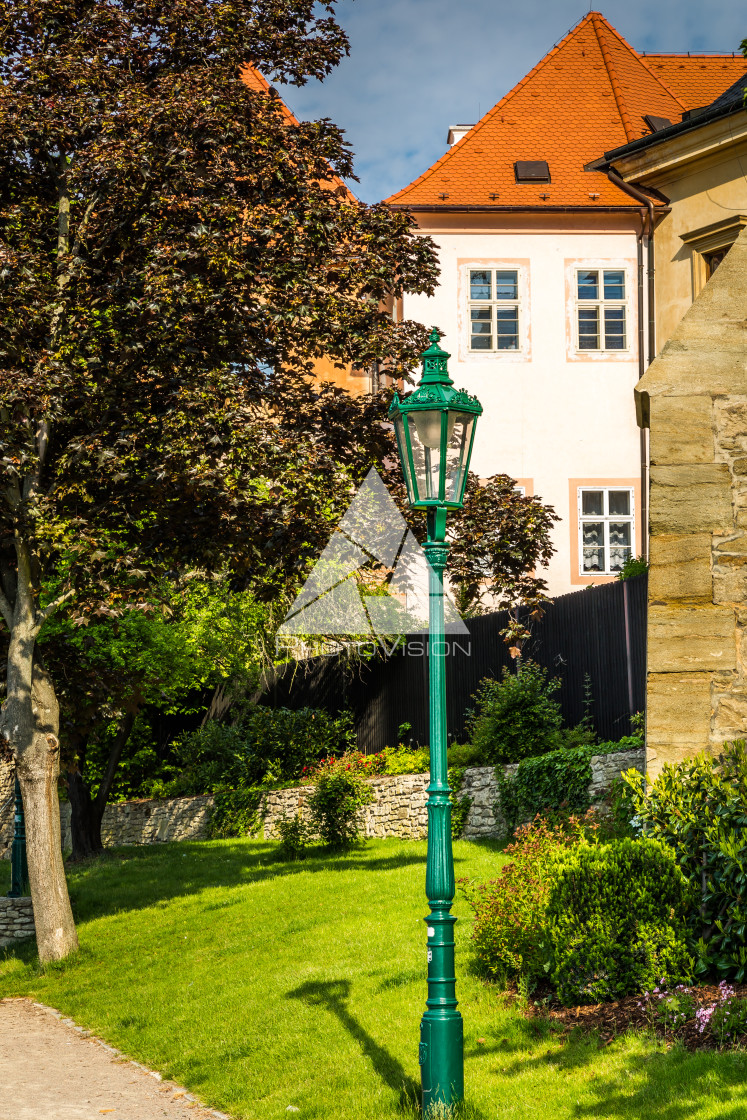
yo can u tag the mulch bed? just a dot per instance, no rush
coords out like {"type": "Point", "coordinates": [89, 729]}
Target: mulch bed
{"type": "Point", "coordinates": [611, 1019]}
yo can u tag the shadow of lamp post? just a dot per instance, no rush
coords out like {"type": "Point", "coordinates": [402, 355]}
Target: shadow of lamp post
{"type": "Point", "coordinates": [435, 430]}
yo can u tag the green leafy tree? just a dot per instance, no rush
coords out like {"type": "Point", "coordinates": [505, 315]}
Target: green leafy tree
{"type": "Point", "coordinates": [173, 255]}
{"type": "Point", "coordinates": [106, 672]}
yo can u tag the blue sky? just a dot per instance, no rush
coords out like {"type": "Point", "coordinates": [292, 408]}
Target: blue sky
{"type": "Point", "coordinates": [418, 66]}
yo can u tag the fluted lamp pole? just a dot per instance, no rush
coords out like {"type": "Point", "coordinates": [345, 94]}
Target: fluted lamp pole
{"type": "Point", "coordinates": [435, 429]}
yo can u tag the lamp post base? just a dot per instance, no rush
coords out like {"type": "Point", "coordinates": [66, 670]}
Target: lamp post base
{"type": "Point", "coordinates": [441, 1060]}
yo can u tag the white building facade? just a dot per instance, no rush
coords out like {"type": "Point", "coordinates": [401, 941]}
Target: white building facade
{"type": "Point", "coordinates": [543, 295]}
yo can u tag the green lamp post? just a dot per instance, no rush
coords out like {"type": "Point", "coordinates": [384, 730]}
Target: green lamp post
{"type": "Point", "coordinates": [435, 429]}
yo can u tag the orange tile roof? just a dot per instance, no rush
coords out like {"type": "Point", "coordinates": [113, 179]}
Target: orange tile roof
{"type": "Point", "coordinates": [697, 78]}
{"type": "Point", "coordinates": [252, 78]}
{"type": "Point", "coordinates": [588, 95]}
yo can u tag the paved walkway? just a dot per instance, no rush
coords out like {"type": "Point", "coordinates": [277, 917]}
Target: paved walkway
{"type": "Point", "coordinates": [50, 1070]}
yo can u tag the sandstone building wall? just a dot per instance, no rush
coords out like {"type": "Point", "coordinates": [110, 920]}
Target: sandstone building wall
{"type": "Point", "coordinates": [694, 399]}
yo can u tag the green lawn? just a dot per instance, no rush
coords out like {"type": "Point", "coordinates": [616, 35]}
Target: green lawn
{"type": "Point", "coordinates": [261, 984]}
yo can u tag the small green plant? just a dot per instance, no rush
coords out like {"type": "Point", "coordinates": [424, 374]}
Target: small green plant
{"type": "Point", "coordinates": [633, 566]}
{"type": "Point", "coordinates": [336, 803]}
{"type": "Point", "coordinates": [517, 716]}
{"type": "Point", "coordinates": [616, 917]}
{"type": "Point", "coordinates": [294, 836]}
{"type": "Point", "coordinates": [669, 1009]}
{"type": "Point", "coordinates": [460, 805]}
{"type": "Point", "coordinates": [729, 1021]}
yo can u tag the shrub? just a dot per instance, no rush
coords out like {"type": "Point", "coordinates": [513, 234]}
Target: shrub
{"type": "Point", "coordinates": [270, 745]}
{"type": "Point", "coordinates": [616, 916]}
{"type": "Point", "coordinates": [516, 716]}
{"type": "Point", "coordinates": [465, 755]}
{"type": "Point", "coordinates": [294, 835]}
{"type": "Point", "coordinates": [555, 781]}
{"type": "Point", "coordinates": [336, 803]}
{"type": "Point", "coordinates": [405, 760]}
{"type": "Point", "coordinates": [699, 809]}
{"type": "Point", "coordinates": [509, 928]}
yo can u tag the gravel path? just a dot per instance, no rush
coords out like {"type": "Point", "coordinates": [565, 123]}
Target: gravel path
{"type": "Point", "coordinates": [50, 1070]}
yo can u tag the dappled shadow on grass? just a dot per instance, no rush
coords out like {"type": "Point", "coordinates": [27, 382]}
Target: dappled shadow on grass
{"type": "Point", "coordinates": [135, 878]}
{"type": "Point", "coordinates": [669, 1084]}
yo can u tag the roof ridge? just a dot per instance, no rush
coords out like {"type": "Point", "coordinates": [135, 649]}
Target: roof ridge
{"type": "Point", "coordinates": [638, 57]}
{"type": "Point", "coordinates": [498, 105]}
{"type": "Point", "coordinates": [690, 54]}
{"type": "Point", "coordinates": [612, 75]}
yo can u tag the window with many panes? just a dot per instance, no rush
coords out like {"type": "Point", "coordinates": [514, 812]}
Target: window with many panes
{"type": "Point", "coordinates": [605, 526]}
{"type": "Point", "coordinates": [494, 309]}
{"type": "Point", "coordinates": [600, 309]}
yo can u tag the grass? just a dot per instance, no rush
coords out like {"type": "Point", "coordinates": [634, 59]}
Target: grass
{"type": "Point", "coordinates": [260, 984]}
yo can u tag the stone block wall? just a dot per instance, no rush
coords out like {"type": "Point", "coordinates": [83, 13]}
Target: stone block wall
{"type": "Point", "coordinates": [137, 822]}
{"type": "Point", "coordinates": [694, 400]}
{"type": "Point", "coordinates": [400, 805]}
{"type": "Point", "coordinates": [16, 920]}
{"type": "Point", "coordinates": [398, 808]}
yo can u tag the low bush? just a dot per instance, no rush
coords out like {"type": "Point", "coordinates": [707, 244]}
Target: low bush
{"type": "Point", "coordinates": [509, 933]}
{"type": "Point", "coordinates": [405, 760]}
{"type": "Point", "coordinates": [465, 755]}
{"type": "Point", "coordinates": [617, 919]}
{"type": "Point", "coordinates": [557, 781]}
{"type": "Point", "coordinates": [698, 808]}
{"type": "Point", "coordinates": [515, 717]}
{"type": "Point", "coordinates": [335, 805]}
{"type": "Point", "coordinates": [294, 836]}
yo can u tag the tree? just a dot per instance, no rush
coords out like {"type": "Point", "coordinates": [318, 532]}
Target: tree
{"type": "Point", "coordinates": [173, 255]}
{"type": "Point", "coordinates": [196, 638]}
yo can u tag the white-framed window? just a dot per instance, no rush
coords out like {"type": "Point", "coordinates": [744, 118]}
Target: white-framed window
{"type": "Point", "coordinates": [606, 528]}
{"type": "Point", "coordinates": [494, 310]}
{"type": "Point", "coordinates": [601, 309]}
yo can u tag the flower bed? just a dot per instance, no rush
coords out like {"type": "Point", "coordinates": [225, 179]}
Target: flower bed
{"type": "Point", "coordinates": [700, 1017]}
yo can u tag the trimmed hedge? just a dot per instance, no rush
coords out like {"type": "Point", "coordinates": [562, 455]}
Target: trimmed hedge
{"type": "Point", "coordinates": [617, 920]}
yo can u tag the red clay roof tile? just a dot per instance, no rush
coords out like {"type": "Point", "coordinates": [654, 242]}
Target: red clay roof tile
{"type": "Point", "coordinates": [588, 95]}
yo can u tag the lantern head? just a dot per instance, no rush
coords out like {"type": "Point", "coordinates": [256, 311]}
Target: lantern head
{"type": "Point", "coordinates": [435, 429]}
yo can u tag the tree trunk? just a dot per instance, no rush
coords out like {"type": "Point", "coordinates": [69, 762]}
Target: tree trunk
{"type": "Point", "coordinates": [87, 813]}
{"type": "Point", "coordinates": [85, 823]}
{"type": "Point", "coordinates": [35, 738]}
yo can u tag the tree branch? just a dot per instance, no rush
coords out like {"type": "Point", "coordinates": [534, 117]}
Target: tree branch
{"type": "Point", "coordinates": [123, 734]}
{"type": "Point", "coordinates": [54, 606]}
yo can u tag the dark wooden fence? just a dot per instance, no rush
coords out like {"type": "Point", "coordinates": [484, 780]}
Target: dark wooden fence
{"type": "Point", "coordinates": [593, 640]}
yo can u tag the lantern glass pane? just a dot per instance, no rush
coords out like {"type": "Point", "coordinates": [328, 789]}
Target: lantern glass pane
{"type": "Point", "coordinates": [425, 439]}
{"type": "Point", "coordinates": [399, 431]}
{"type": "Point", "coordinates": [457, 451]}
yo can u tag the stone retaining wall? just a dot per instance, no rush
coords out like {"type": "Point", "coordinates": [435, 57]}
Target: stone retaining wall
{"type": "Point", "coordinates": [399, 808]}
{"type": "Point", "coordinates": [16, 920]}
